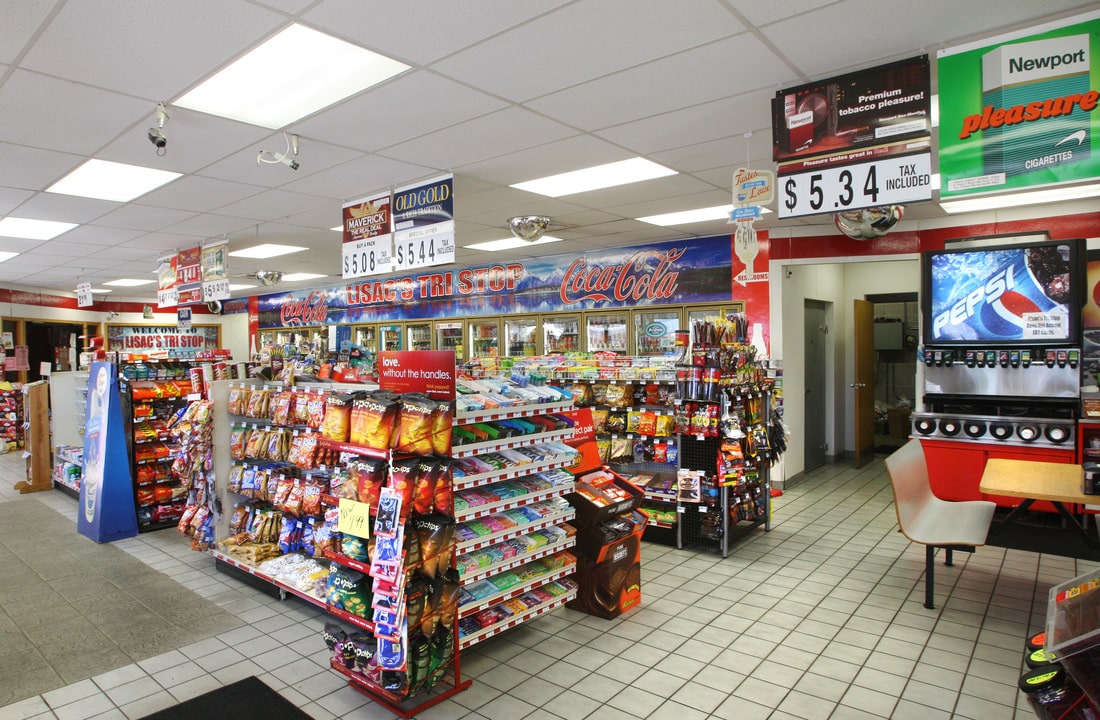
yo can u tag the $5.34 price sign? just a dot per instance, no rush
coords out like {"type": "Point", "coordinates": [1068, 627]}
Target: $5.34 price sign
{"type": "Point", "coordinates": [886, 181]}
{"type": "Point", "coordinates": [369, 256]}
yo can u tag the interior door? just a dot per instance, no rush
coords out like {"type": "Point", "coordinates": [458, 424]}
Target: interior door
{"type": "Point", "coordinates": [863, 346]}
{"type": "Point", "coordinates": [815, 331]}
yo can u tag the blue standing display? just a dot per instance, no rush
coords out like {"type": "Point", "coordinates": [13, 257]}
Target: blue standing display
{"type": "Point", "coordinates": [107, 511]}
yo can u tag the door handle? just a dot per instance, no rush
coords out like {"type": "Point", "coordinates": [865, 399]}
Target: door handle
{"type": "Point", "coordinates": [858, 385]}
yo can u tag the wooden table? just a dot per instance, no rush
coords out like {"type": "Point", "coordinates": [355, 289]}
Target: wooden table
{"type": "Point", "coordinates": [1057, 483]}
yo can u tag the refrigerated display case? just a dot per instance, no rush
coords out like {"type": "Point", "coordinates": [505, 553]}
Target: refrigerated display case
{"type": "Point", "coordinates": [606, 332]}
{"type": "Point", "coordinates": [701, 313]}
{"type": "Point", "coordinates": [389, 338]}
{"type": "Point", "coordinates": [521, 336]}
{"type": "Point", "coordinates": [366, 337]}
{"type": "Point", "coordinates": [420, 335]}
{"type": "Point", "coordinates": [561, 334]}
{"type": "Point", "coordinates": [484, 338]}
{"type": "Point", "coordinates": [655, 331]}
{"type": "Point", "coordinates": [449, 336]}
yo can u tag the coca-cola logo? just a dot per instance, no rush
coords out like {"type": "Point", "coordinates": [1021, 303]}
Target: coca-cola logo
{"type": "Point", "coordinates": [647, 275]}
{"type": "Point", "coordinates": [312, 310]}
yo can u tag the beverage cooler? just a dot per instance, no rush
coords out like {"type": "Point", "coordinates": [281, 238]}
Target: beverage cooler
{"type": "Point", "coordinates": [655, 331]}
{"type": "Point", "coordinates": [606, 332]}
{"type": "Point", "coordinates": [419, 335]}
{"type": "Point", "coordinates": [521, 336]}
{"type": "Point", "coordinates": [389, 337]}
{"type": "Point", "coordinates": [366, 337]}
{"type": "Point", "coordinates": [449, 335]}
{"type": "Point", "coordinates": [484, 338]}
{"type": "Point", "coordinates": [561, 334]}
{"type": "Point", "coordinates": [1002, 360]}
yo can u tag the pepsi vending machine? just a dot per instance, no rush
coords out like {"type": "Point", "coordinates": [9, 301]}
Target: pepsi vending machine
{"type": "Point", "coordinates": [1002, 355]}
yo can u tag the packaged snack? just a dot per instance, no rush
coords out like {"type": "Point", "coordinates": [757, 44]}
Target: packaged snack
{"type": "Point", "coordinates": [616, 422]}
{"type": "Point", "coordinates": [257, 403]}
{"type": "Point", "coordinates": [442, 419]}
{"type": "Point", "coordinates": [311, 497]}
{"type": "Point", "coordinates": [238, 439]}
{"type": "Point", "coordinates": [619, 396]}
{"type": "Point", "coordinates": [282, 404]}
{"type": "Point", "coordinates": [337, 420]}
{"type": "Point", "coordinates": [647, 423]}
{"type": "Point", "coordinates": [368, 476]}
{"type": "Point", "coordinates": [415, 424]}
{"type": "Point", "coordinates": [435, 532]}
{"type": "Point", "coordinates": [238, 400]}
{"type": "Point", "coordinates": [423, 499]}
{"type": "Point", "coordinates": [315, 411]}
{"type": "Point", "coordinates": [403, 476]}
{"type": "Point", "coordinates": [343, 485]}
{"type": "Point", "coordinates": [372, 420]}
{"type": "Point", "coordinates": [664, 425]}
{"type": "Point", "coordinates": [599, 420]}
{"type": "Point", "coordinates": [633, 421]}
{"type": "Point", "coordinates": [300, 413]}
{"type": "Point", "coordinates": [444, 489]}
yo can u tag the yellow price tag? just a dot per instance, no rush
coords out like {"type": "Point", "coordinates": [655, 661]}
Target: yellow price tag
{"type": "Point", "coordinates": [354, 518]}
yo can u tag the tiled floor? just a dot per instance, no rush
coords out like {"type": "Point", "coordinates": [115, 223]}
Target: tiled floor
{"type": "Point", "coordinates": [821, 618]}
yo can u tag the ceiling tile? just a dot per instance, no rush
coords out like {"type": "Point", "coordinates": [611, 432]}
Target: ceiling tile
{"type": "Point", "coordinates": [33, 168]}
{"type": "Point", "coordinates": [130, 52]}
{"type": "Point", "coordinates": [199, 194]}
{"type": "Point", "coordinates": [499, 133]}
{"type": "Point", "coordinates": [572, 153]}
{"type": "Point", "coordinates": [759, 13]}
{"type": "Point", "coordinates": [47, 112]}
{"type": "Point", "coordinates": [645, 191]}
{"type": "Point", "coordinates": [65, 208]}
{"type": "Point", "coordinates": [20, 245]}
{"type": "Point", "coordinates": [11, 198]}
{"type": "Point", "coordinates": [735, 150]}
{"type": "Point", "coordinates": [21, 21]}
{"type": "Point", "coordinates": [630, 95]}
{"type": "Point", "coordinates": [243, 166]}
{"type": "Point", "coordinates": [141, 217]}
{"type": "Point", "coordinates": [410, 105]}
{"type": "Point", "coordinates": [400, 28]}
{"type": "Point", "coordinates": [211, 226]}
{"type": "Point", "coordinates": [93, 235]}
{"type": "Point", "coordinates": [586, 40]}
{"type": "Point", "coordinates": [360, 176]}
{"type": "Point", "coordinates": [272, 204]}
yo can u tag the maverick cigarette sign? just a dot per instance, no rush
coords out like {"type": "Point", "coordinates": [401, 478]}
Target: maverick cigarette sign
{"type": "Point", "coordinates": [1020, 110]}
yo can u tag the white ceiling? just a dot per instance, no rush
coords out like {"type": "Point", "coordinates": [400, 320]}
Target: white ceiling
{"type": "Point", "coordinates": [498, 92]}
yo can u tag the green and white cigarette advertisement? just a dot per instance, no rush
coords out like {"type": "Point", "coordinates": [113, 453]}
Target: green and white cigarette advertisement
{"type": "Point", "coordinates": [1021, 111]}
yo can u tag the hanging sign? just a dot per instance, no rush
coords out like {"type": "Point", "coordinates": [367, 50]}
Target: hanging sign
{"type": "Point", "coordinates": [189, 276]}
{"type": "Point", "coordinates": [1020, 111]}
{"type": "Point", "coordinates": [752, 190]}
{"type": "Point", "coordinates": [84, 295]}
{"type": "Point", "coordinates": [215, 271]}
{"type": "Point", "coordinates": [431, 372]}
{"type": "Point", "coordinates": [423, 224]}
{"type": "Point", "coordinates": [854, 141]}
{"type": "Point", "coordinates": [368, 239]}
{"type": "Point", "coordinates": [183, 318]}
{"type": "Point", "coordinates": [167, 290]}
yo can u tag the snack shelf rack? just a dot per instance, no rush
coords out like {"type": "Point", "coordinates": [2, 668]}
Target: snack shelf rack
{"type": "Point", "coordinates": [283, 588]}
{"type": "Point", "coordinates": [400, 705]}
{"type": "Point", "coordinates": [468, 640]}
{"type": "Point", "coordinates": [67, 454]}
{"type": "Point", "coordinates": [462, 451]}
{"type": "Point", "coordinates": [348, 562]}
{"type": "Point", "coordinates": [508, 413]}
{"type": "Point", "coordinates": [492, 476]}
{"type": "Point", "coordinates": [359, 622]}
{"type": "Point", "coordinates": [508, 534]}
{"type": "Point", "coordinates": [144, 403]}
{"type": "Point", "coordinates": [515, 591]}
{"type": "Point", "coordinates": [480, 511]}
{"type": "Point", "coordinates": [511, 563]}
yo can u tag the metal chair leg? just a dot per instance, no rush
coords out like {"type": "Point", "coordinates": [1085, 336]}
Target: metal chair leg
{"type": "Point", "coordinates": [929, 577]}
{"type": "Point", "coordinates": [948, 559]}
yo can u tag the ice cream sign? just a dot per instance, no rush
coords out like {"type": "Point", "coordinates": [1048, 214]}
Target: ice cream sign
{"type": "Point", "coordinates": [752, 190]}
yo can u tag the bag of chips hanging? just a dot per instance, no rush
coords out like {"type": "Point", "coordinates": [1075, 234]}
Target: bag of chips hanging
{"type": "Point", "coordinates": [372, 420]}
{"type": "Point", "coordinates": [415, 424]}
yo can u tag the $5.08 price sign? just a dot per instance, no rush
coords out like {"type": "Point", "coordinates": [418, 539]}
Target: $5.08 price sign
{"type": "Point", "coordinates": [369, 256]}
{"type": "Point", "coordinates": [886, 181]}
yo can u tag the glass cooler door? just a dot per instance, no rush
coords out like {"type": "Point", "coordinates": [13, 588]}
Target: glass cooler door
{"type": "Point", "coordinates": [484, 338]}
{"type": "Point", "coordinates": [655, 331]}
{"type": "Point", "coordinates": [520, 336]}
{"type": "Point", "coordinates": [561, 333]}
{"type": "Point", "coordinates": [420, 335]}
{"type": "Point", "coordinates": [606, 332]}
{"type": "Point", "coordinates": [448, 336]}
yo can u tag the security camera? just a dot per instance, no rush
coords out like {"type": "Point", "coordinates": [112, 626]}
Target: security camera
{"type": "Point", "coordinates": [289, 162]}
{"type": "Point", "coordinates": [156, 136]}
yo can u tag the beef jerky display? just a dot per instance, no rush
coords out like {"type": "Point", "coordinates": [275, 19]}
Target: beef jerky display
{"type": "Point", "coordinates": [468, 533]}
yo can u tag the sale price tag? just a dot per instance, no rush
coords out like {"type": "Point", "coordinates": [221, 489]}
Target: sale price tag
{"type": "Point", "coordinates": [215, 290]}
{"type": "Point", "coordinates": [886, 181]}
{"type": "Point", "coordinates": [369, 256]}
{"type": "Point", "coordinates": [354, 518]}
{"type": "Point", "coordinates": [424, 246]}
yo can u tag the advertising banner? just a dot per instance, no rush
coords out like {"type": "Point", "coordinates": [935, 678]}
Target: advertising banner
{"type": "Point", "coordinates": [431, 372]}
{"type": "Point", "coordinates": [1019, 111]}
{"type": "Point", "coordinates": [189, 276]}
{"type": "Point", "coordinates": [368, 238]}
{"type": "Point", "coordinates": [166, 340]}
{"type": "Point", "coordinates": [424, 225]}
{"type": "Point", "coordinates": [695, 270]}
{"type": "Point", "coordinates": [106, 511]}
{"type": "Point", "coordinates": [215, 271]}
{"type": "Point", "coordinates": [167, 290]}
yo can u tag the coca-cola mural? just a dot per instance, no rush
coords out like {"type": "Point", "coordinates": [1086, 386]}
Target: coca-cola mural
{"type": "Point", "coordinates": [695, 270]}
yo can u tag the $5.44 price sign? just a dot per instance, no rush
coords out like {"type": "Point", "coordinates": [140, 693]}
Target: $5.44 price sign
{"type": "Point", "coordinates": [424, 246]}
{"type": "Point", "coordinates": [886, 181]}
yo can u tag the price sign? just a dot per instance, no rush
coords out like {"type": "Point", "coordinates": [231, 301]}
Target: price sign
{"type": "Point", "coordinates": [424, 246]}
{"type": "Point", "coordinates": [168, 298]}
{"type": "Point", "coordinates": [215, 290]}
{"type": "Point", "coordinates": [84, 295]}
{"type": "Point", "coordinates": [354, 518]}
{"type": "Point", "coordinates": [886, 181]}
{"type": "Point", "coordinates": [370, 256]}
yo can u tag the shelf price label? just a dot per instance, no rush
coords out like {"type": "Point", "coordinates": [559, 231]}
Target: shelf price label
{"type": "Point", "coordinates": [354, 518]}
{"type": "Point", "coordinates": [885, 181]}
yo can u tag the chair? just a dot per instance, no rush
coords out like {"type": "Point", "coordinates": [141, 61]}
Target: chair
{"type": "Point", "coordinates": [930, 521]}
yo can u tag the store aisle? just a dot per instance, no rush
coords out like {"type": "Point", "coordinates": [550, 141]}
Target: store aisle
{"type": "Point", "coordinates": [821, 618]}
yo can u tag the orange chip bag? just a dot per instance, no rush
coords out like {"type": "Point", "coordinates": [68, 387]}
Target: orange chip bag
{"type": "Point", "coordinates": [415, 425]}
{"type": "Point", "coordinates": [337, 422]}
{"type": "Point", "coordinates": [372, 420]}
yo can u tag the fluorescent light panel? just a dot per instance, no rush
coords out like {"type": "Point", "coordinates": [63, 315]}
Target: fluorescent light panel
{"type": "Point", "coordinates": [106, 180]}
{"type": "Point", "coordinates": [595, 178]}
{"type": "Point", "coordinates": [295, 277]}
{"type": "Point", "coordinates": [510, 243]}
{"type": "Point", "coordinates": [995, 202]}
{"type": "Point", "coordinates": [266, 250]}
{"type": "Point", "coordinates": [686, 217]}
{"type": "Point", "coordinates": [294, 74]}
{"type": "Point", "coordinates": [236, 286]}
{"type": "Point", "coordinates": [101, 290]}
{"type": "Point", "coordinates": [129, 282]}
{"type": "Point", "coordinates": [31, 229]}
{"type": "Point", "coordinates": [5, 255]}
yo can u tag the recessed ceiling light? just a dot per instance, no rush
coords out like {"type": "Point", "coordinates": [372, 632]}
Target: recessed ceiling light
{"type": "Point", "coordinates": [236, 286]}
{"type": "Point", "coordinates": [338, 228]}
{"type": "Point", "coordinates": [595, 178]}
{"type": "Point", "coordinates": [296, 73]}
{"type": "Point", "coordinates": [685, 217]}
{"type": "Point", "coordinates": [106, 180]}
{"type": "Point", "coordinates": [30, 229]}
{"type": "Point", "coordinates": [510, 243]}
{"type": "Point", "coordinates": [995, 202]}
{"type": "Point", "coordinates": [5, 255]}
{"type": "Point", "coordinates": [129, 282]}
{"type": "Point", "coordinates": [295, 277]}
{"type": "Point", "coordinates": [266, 250]}
{"type": "Point", "coordinates": [101, 290]}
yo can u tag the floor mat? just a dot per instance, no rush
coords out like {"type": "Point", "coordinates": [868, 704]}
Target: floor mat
{"type": "Point", "coordinates": [1043, 533]}
{"type": "Point", "coordinates": [248, 699]}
